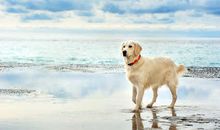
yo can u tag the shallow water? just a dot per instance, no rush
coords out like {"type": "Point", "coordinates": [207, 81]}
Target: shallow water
{"type": "Point", "coordinates": [65, 100]}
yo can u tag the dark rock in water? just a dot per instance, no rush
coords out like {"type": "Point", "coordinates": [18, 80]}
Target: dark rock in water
{"type": "Point", "coordinates": [188, 124]}
{"type": "Point", "coordinates": [195, 119]}
{"type": "Point", "coordinates": [183, 119]}
{"type": "Point", "coordinates": [16, 91]}
{"type": "Point", "coordinates": [192, 71]}
{"type": "Point", "coordinates": [203, 72]}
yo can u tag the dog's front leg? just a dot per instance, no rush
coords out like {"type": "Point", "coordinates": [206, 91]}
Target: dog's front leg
{"type": "Point", "coordinates": [134, 94]}
{"type": "Point", "coordinates": [154, 97]}
{"type": "Point", "coordinates": [140, 93]}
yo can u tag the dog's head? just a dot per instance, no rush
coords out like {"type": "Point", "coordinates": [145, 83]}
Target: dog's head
{"type": "Point", "coordinates": [130, 49]}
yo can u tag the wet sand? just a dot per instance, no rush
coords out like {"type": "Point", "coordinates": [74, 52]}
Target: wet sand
{"type": "Point", "coordinates": [64, 100]}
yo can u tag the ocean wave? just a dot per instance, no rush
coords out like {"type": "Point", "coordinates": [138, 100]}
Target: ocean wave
{"type": "Point", "coordinates": [192, 71]}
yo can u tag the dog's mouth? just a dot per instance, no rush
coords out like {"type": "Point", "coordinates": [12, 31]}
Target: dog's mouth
{"type": "Point", "coordinates": [127, 56]}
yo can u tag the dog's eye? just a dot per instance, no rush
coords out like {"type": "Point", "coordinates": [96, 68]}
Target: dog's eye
{"type": "Point", "coordinates": [123, 46]}
{"type": "Point", "coordinates": [130, 46]}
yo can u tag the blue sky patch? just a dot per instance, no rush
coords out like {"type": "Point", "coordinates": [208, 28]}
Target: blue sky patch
{"type": "Point", "coordinates": [37, 17]}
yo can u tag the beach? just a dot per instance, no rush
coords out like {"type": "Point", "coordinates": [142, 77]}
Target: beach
{"type": "Point", "coordinates": [79, 100]}
{"type": "Point", "coordinates": [62, 64]}
{"type": "Point", "coordinates": [81, 84]}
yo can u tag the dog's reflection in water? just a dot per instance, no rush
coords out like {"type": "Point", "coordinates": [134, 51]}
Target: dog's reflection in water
{"type": "Point", "coordinates": [137, 123]}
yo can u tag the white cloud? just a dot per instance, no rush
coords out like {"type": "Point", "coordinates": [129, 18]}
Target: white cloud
{"type": "Point", "coordinates": [138, 15]}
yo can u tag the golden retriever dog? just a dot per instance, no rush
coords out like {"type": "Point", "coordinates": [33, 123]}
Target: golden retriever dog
{"type": "Point", "coordinates": [144, 72]}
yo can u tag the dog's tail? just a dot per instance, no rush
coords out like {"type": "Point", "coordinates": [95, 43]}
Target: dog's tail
{"type": "Point", "coordinates": [181, 69]}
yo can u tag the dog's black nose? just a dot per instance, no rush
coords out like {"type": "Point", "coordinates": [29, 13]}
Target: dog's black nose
{"type": "Point", "coordinates": [124, 53]}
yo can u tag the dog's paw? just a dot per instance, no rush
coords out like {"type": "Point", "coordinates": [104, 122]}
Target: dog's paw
{"type": "Point", "coordinates": [136, 110]}
{"type": "Point", "coordinates": [171, 106]}
{"type": "Point", "coordinates": [149, 106]}
{"type": "Point", "coordinates": [134, 101]}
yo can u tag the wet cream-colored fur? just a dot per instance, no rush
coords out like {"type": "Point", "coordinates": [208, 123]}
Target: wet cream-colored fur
{"type": "Point", "coordinates": [150, 72]}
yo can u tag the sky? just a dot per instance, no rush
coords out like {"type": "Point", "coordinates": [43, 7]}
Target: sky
{"type": "Point", "coordinates": [151, 18]}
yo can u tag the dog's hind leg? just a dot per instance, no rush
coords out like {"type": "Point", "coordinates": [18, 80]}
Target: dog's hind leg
{"type": "Point", "coordinates": [134, 94]}
{"type": "Point", "coordinates": [174, 96]}
{"type": "Point", "coordinates": [154, 97]}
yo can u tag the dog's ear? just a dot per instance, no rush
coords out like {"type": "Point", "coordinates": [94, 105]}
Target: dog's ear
{"type": "Point", "coordinates": [137, 49]}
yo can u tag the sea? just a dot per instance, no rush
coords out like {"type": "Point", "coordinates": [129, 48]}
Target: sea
{"type": "Point", "coordinates": [104, 54]}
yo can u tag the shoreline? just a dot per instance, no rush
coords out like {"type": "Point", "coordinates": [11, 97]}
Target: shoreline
{"type": "Point", "coordinates": [77, 100]}
{"type": "Point", "coordinates": [192, 71]}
